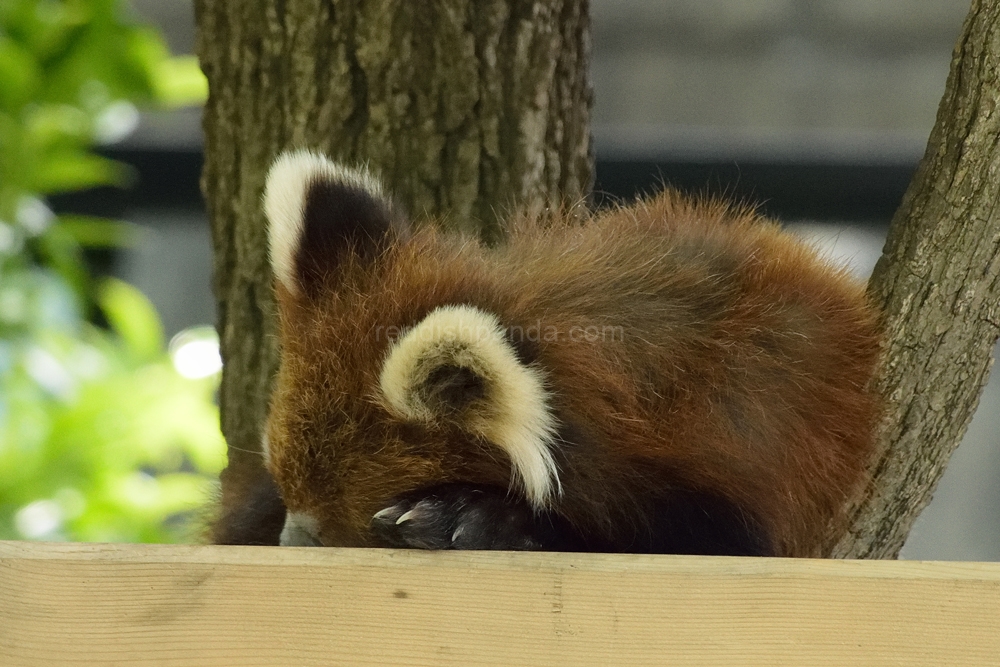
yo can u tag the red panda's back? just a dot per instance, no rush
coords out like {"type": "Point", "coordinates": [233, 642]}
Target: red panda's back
{"type": "Point", "coordinates": [707, 341]}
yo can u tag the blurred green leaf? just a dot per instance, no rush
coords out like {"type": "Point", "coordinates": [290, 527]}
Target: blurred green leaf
{"type": "Point", "coordinates": [52, 126]}
{"type": "Point", "coordinates": [19, 74]}
{"type": "Point", "coordinates": [146, 48]}
{"type": "Point", "coordinates": [94, 232]}
{"type": "Point", "coordinates": [180, 82]}
{"type": "Point", "coordinates": [43, 26]}
{"type": "Point", "coordinates": [67, 172]}
{"type": "Point", "coordinates": [132, 317]}
{"type": "Point", "coordinates": [100, 437]}
{"type": "Point", "coordinates": [62, 254]}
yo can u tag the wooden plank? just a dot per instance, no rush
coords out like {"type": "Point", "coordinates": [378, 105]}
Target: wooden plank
{"type": "Point", "coordinates": [73, 604]}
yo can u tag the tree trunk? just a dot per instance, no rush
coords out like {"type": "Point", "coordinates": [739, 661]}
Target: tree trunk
{"type": "Point", "coordinates": [465, 107]}
{"type": "Point", "coordinates": [938, 282]}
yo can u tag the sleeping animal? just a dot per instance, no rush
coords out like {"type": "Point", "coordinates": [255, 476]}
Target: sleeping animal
{"type": "Point", "coordinates": [676, 376]}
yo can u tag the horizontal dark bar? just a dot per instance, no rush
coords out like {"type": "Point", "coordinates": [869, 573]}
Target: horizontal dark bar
{"type": "Point", "coordinates": [170, 179]}
{"type": "Point", "coordinates": [160, 179]}
{"type": "Point", "coordinates": [785, 191]}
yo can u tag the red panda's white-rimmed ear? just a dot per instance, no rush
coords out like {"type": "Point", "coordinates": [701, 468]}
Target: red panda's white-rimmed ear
{"type": "Point", "coordinates": [457, 365]}
{"type": "Point", "coordinates": [319, 210]}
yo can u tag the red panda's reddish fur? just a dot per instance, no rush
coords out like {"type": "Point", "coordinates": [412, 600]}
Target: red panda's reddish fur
{"type": "Point", "coordinates": [738, 363]}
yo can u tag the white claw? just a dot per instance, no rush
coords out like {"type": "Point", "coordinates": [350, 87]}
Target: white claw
{"type": "Point", "coordinates": [405, 516]}
{"type": "Point", "coordinates": [457, 533]}
{"type": "Point", "coordinates": [381, 514]}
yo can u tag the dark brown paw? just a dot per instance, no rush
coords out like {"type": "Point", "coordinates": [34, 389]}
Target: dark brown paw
{"type": "Point", "coordinates": [459, 516]}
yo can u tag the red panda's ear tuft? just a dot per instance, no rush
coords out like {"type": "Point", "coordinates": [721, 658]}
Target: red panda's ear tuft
{"type": "Point", "coordinates": [319, 213]}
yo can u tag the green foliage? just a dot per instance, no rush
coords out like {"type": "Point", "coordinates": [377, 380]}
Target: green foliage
{"type": "Point", "coordinates": [100, 437]}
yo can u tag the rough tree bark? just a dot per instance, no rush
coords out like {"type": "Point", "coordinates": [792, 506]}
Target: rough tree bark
{"type": "Point", "coordinates": [938, 282]}
{"type": "Point", "coordinates": [465, 107]}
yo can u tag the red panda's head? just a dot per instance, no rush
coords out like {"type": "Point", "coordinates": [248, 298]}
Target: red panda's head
{"type": "Point", "coordinates": [396, 371]}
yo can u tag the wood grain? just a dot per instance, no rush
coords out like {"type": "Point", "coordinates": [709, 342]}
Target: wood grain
{"type": "Point", "coordinates": [70, 604]}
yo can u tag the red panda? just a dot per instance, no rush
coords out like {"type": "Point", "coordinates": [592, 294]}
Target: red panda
{"type": "Point", "coordinates": [676, 376]}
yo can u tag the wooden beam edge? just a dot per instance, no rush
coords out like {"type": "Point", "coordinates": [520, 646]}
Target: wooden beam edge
{"type": "Point", "coordinates": [177, 554]}
{"type": "Point", "coordinates": [170, 605]}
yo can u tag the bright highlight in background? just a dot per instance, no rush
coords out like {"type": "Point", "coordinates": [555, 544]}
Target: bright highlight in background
{"type": "Point", "coordinates": [195, 353]}
{"type": "Point", "coordinates": [39, 519]}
